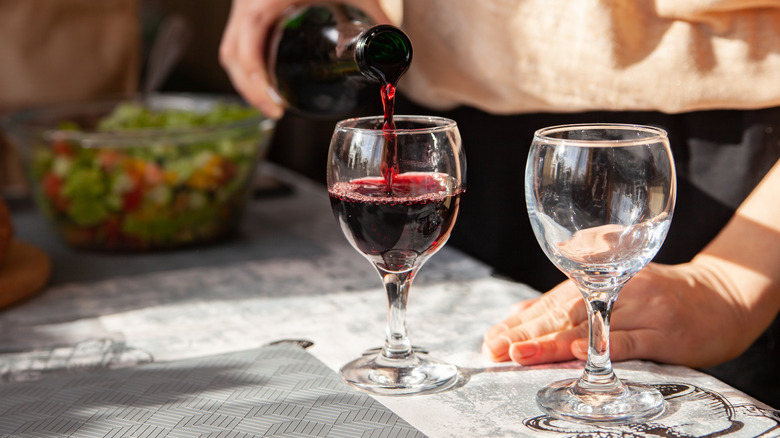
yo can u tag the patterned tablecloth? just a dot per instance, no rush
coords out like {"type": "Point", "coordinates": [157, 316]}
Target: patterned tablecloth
{"type": "Point", "coordinates": [135, 341]}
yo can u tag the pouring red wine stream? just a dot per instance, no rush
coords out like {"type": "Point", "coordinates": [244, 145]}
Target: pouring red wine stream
{"type": "Point", "coordinates": [322, 56]}
{"type": "Point", "coordinates": [389, 166]}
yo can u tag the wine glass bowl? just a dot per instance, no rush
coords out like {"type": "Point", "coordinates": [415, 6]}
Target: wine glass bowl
{"type": "Point", "coordinates": [395, 193]}
{"type": "Point", "coordinates": [600, 198]}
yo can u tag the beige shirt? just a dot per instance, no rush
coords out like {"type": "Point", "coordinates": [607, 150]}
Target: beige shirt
{"type": "Point", "coordinates": [515, 56]}
{"type": "Point", "coordinates": [67, 50]}
{"type": "Point", "coordinates": [63, 50]}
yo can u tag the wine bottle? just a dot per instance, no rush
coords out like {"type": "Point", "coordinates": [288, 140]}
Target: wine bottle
{"type": "Point", "coordinates": [328, 59]}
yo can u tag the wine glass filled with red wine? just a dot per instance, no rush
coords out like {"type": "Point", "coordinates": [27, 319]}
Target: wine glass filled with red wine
{"type": "Point", "coordinates": [395, 191]}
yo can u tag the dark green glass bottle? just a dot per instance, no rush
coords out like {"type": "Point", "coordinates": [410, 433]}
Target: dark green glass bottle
{"type": "Point", "coordinates": [329, 59]}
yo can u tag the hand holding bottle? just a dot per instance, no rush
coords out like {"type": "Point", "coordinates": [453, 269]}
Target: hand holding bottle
{"type": "Point", "coordinates": [242, 51]}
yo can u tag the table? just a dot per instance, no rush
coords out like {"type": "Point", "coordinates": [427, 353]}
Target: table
{"type": "Point", "coordinates": [292, 275]}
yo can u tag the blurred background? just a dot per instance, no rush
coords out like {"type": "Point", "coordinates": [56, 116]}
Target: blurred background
{"type": "Point", "coordinates": [299, 143]}
{"type": "Point", "coordinates": [62, 47]}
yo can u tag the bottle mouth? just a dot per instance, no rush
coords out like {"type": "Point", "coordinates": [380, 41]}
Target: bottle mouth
{"type": "Point", "coordinates": [384, 53]}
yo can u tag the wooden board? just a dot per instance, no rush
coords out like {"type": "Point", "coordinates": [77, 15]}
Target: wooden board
{"type": "Point", "coordinates": [24, 273]}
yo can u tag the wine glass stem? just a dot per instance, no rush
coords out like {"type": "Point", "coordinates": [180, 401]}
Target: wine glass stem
{"type": "Point", "coordinates": [397, 284]}
{"type": "Point", "coordinates": [598, 373]}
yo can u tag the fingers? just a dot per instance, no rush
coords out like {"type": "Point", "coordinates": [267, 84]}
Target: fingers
{"type": "Point", "coordinates": [373, 9]}
{"type": "Point", "coordinates": [623, 345]}
{"type": "Point", "coordinates": [242, 51]}
{"type": "Point", "coordinates": [579, 348]}
{"type": "Point", "coordinates": [504, 325]}
{"type": "Point", "coordinates": [554, 313]}
{"type": "Point", "coordinates": [573, 344]}
{"type": "Point", "coordinates": [554, 347]}
{"type": "Point", "coordinates": [630, 344]}
{"type": "Point", "coordinates": [554, 328]}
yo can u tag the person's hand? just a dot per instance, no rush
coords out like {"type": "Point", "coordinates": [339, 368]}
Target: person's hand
{"type": "Point", "coordinates": [683, 314]}
{"type": "Point", "coordinates": [242, 49]}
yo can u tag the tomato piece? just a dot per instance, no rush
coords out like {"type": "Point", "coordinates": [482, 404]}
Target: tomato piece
{"type": "Point", "coordinates": [61, 147]}
{"type": "Point", "coordinates": [132, 199]}
{"type": "Point", "coordinates": [52, 188]}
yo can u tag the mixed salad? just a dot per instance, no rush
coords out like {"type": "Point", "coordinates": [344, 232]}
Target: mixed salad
{"type": "Point", "coordinates": [156, 191]}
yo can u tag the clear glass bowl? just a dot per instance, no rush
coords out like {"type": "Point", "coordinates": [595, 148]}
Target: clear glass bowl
{"type": "Point", "coordinates": [107, 185]}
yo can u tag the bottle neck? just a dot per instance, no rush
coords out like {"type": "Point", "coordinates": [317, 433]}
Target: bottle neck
{"type": "Point", "coordinates": [383, 53]}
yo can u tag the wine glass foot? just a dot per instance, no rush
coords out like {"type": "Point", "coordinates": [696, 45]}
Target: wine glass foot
{"type": "Point", "coordinates": [629, 403]}
{"type": "Point", "coordinates": [416, 374]}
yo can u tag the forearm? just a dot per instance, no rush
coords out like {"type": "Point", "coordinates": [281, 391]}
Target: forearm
{"type": "Point", "coordinates": [744, 259]}
{"type": "Point", "coordinates": [708, 10]}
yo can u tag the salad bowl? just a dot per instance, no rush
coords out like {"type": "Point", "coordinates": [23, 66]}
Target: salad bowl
{"type": "Point", "coordinates": [146, 173]}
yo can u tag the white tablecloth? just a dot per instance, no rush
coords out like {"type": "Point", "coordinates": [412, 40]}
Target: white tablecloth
{"type": "Point", "coordinates": [325, 292]}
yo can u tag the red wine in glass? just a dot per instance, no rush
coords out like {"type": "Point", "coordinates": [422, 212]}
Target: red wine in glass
{"type": "Point", "coordinates": [395, 231]}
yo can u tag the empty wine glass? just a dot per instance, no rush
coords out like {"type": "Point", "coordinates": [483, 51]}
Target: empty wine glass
{"type": "Point", "coordinates": [395, 193]}
{"type": "Point", "coordinates": [600, 198]}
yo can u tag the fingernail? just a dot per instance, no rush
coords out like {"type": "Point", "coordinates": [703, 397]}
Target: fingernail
{"type": "Point", "coordinates": [496, 347]}
{"type": "Point", "coordinates": [523, 350]}
{"type": "Point", "coordinates": [580, 347]}
{"type": "Point", "coordinates": [496, 329]}
{"type": "Point", "coordinates": [274, 95]}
